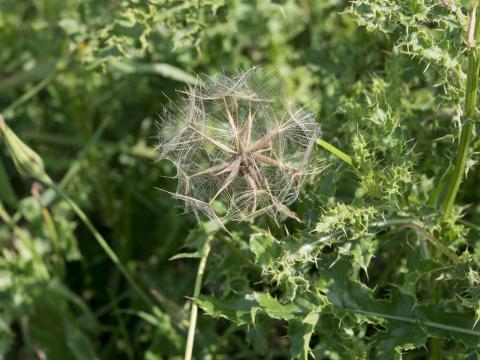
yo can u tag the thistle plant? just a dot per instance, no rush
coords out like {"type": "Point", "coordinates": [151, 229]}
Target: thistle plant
{"type": "Point", "coordinates": [232, 142]}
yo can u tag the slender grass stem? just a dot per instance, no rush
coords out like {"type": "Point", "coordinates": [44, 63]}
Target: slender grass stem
{"type": "Point", "coordinates": [7, 193]}
{"type": "Point", "coordinates": [29, 163]}
{"type": "Point", "coordinates": [335, 151]}
{"type": "Point", "coordinates": [469, 224]}
{"type": "Point", "coordinates": [196, 292]}
{"type": "Point", "coordinates": [413, 320]}
{"type": "Point", "coordinates": [435, 242]}
{"type": "Point", "coordinates": [391, 265]}
{"type": "Point", "coordinates": [29, 94]}
{"type": "Point", "coordinates": [103, 243]}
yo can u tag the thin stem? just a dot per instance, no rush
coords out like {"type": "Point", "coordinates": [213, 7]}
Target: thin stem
{"type": "Point", "coordinates": [29, 94]}
{"type": "Point", "coordinates": [462, 154]}
{"type": "Point", "coordinates": [29, 162]}
{"type": "Point", "coordinates": [435, 242]}
{"type": "Point", "coordinates": [388, 270]}
{"type": "Point", "coordinates": [469, 224]}
{"type": "Point", "coordinates": [466, 136]}
{"type": "Point", "coordinates": [415, 320]}
{"type": "Point", "coordinates": [103, 243]}
{"type": "Point", "coordinates": [196, 292]}
{"type": "Point", "coordinates": [470, 112]}
{"type": "Point", "coordinates": [7, 193]}
{"type": "Point", "coordinates": [335, 151]}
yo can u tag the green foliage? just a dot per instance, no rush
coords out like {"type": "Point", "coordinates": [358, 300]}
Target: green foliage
{"type": "Point", "coordinates": [374, 270]}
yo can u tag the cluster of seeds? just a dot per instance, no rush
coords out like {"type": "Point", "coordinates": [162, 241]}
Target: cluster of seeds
{"type": "Point", "coordinates": [237, 153]}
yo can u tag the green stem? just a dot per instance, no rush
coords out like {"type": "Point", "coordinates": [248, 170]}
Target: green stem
{"type": "Point", "coordinates": [462, 155]}
{"type": "Point", "coordinates": [435, 242]}
{"type": "Point", "coordinates": [335, 151]}
{"type": "Point", "coordinates": [196, 292]}
{"type": "Point", "coordinates": [470, 113]}
{"type": "Point", "coordinates": [29, 94]}
{"type": "Point", "coordinates": [7, 193]}
{"type": "Point", "coordinates": [29, 163]}
{"type": "Point", "coordinates": [415, 320]}
{"type": "Point", "coordinates": [103, 243]}
{"type": "Point", "coordinates": [466, 136]}
{"type": "Point", "coordinates": [388, 270]}
{"type": "Point", "coordinates": [469, 224]}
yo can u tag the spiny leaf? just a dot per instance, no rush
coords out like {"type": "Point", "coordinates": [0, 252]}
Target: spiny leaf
{"type": "Point", "coordinates": [302, 315]}
{"type": "Point", "coordinates": [246, 306]}
{"type": "Point", "coordinates": [283, 262]}
{"type": "Point", "coordinates": [400, 316]}
{"type": "Point", "coordinates": [300, 332]}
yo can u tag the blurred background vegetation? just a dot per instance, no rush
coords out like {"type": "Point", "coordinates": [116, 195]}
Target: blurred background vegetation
{"type": "Point", "coordinates": [83, 81]}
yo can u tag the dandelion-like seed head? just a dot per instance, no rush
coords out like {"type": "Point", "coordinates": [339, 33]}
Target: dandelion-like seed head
{"type": "Point", "coordinates": [233, 145]}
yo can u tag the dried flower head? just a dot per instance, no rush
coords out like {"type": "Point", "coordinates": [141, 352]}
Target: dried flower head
{"type": "Point", "coordinates": [233, 145]}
